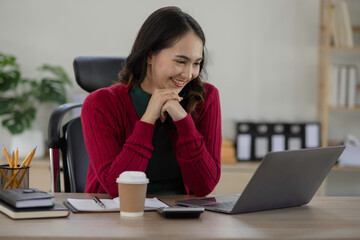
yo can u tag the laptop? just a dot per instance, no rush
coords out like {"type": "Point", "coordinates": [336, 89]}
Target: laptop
{"type": "Point", "coordinates": [283, 179]}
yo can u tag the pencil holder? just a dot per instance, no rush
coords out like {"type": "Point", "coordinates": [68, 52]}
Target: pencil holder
{"type": "Point", "coordinates": [14, 177]}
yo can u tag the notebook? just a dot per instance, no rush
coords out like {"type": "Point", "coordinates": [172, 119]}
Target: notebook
{"type": "Point", "coordinates": [55, 211]}
{"type": "Point", "coordinates": [111, 205]}
{"type": "Point", "coordinates": [283, 179]}
{"type": "Point", "coordinates": [26, 197]}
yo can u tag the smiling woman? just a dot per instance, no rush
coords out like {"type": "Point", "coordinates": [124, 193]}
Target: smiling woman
{"type": "Point", "coordinates": [161, 118]}
{"type": "Point", "coordinates": [174, 67]}
{"type": "Point", "coordinates": [171, 70]}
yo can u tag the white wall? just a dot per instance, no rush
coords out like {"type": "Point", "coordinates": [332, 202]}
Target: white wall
{"type": "Point", "coordinates": [263, 55]}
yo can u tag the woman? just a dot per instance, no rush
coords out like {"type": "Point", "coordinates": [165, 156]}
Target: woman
{"type": "Point", "coordinates": [161, 119]}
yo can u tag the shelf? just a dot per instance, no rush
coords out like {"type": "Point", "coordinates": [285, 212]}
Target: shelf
{"type": "Point", "coordinates": [234, 178]}
{"type": "Point", "coordinates": [334, 55]}
{"type": "Point", "coordinates": [348, 109]}
{"type": "Point", "coordinates": [251, 166]}
{"type": "Point", "coordinates": [356, 28]}
{"type": "Point", "coordinates": [357, 48]}
{"type": "Point", "coordinates": [334, 143]}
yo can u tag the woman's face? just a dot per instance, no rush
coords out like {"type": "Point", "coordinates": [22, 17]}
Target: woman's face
{"type": "Point", "coordinates": [174, 67]}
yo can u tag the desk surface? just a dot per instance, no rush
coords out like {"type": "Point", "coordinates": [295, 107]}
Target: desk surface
{"type": "Point", "coordinates": [322, 218]}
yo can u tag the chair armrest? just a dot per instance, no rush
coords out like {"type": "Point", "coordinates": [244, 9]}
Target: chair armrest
{"type": "Point", "coordinates": [54, 126]}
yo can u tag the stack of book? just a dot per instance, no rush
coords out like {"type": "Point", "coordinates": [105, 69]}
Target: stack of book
{"type": "Point", "coordinates": [344, 86]}
{"type": "Point", "coordinates": [29, 203]}
{"type": "Point", "coordinates": [341, 27]}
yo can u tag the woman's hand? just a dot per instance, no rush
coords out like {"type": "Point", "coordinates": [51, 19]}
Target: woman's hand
{"type": "Point", "coordinates": [174, 109]}
{"type": "Point", "coordinates": [156, 104]}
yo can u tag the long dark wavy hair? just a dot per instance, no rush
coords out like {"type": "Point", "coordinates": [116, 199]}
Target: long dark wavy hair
{"type": "Point", "coordinates": [160, 31]}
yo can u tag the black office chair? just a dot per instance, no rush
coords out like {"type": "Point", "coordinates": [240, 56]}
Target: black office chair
{"type": "Point", "coordinates": [91, 73]}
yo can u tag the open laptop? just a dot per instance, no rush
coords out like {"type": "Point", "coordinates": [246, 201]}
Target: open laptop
{"type": "Point", "coordinates": [283, 179]}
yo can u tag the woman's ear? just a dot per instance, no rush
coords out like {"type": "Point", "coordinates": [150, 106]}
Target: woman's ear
{"type": "Point", "coordinates": [149, 58]}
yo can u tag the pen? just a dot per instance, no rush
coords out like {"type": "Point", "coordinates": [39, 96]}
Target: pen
{"type": "Point", "coordinates": [98, 201]}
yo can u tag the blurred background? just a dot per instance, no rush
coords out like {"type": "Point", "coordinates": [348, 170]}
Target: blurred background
{"type": "Point", "coordinates": [262, 55]}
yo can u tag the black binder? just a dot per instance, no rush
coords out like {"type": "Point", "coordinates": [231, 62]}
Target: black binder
{"type": "Point", "coordinates": [261, 141]}
{"type": "Point", "coordinates": [254, 140]}
{"type": "Point", "coordinates": [295, 136]}
{"type": "Point", "coordinates": [278, 137]}
{"type": "Point", "coordinates": [244, 141]}
{"type": "Point", "coordinates": [312, 135]}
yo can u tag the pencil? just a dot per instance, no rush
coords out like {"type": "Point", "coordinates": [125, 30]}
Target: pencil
{"type": "Point", "coordinates": [12, 159]}
{"type": "Point", "coordinates": [16, 164]}
{"type": "Point", "coordinates": [4, 175]}
{"type": "Point", "coordinates": [27, 167]}
{"type": "Point", "coordinates": [17, 171]}
{"type": "Point", "coordinates": [7, 156]}
{"type": "Point", "coordinates": [12, 168]}
{"type": "Point", "coordinates": [16, 158]}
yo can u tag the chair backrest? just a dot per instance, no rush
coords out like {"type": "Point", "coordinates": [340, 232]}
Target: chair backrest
{"type": "Point", "coordinates": [77, 159]}
{"type": "Point", "coordinates": [91, 73]}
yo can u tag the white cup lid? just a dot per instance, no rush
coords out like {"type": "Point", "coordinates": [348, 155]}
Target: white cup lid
{"type": "Point", "coordinates": [132, 177]}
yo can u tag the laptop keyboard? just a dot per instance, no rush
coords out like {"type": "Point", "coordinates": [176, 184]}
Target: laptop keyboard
{"type": "Point", "coordinates": [222, 205]}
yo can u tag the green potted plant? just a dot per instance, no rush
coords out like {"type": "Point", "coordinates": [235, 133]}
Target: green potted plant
{"type": "Point", "coordinates": [21, 97]}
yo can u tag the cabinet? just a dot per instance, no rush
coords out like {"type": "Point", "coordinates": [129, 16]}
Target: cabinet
{"type": "Point", "coordinates": [335, 119]}
{"type": "Point", "coordinates": [341, 181]}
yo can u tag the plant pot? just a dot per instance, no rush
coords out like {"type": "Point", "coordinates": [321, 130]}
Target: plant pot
{"type": "Point", "coordinates": [26, 142]}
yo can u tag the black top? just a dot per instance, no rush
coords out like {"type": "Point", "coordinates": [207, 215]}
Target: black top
{"type": "Point", "coordinates": [163, 169]}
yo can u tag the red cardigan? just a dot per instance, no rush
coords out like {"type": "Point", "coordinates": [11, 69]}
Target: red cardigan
{"type": "Point", "coordinates": [117, 141]}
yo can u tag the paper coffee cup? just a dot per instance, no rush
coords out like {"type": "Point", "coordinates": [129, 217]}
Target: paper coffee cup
{"type": "Point", "coordinates": [132, 187]}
